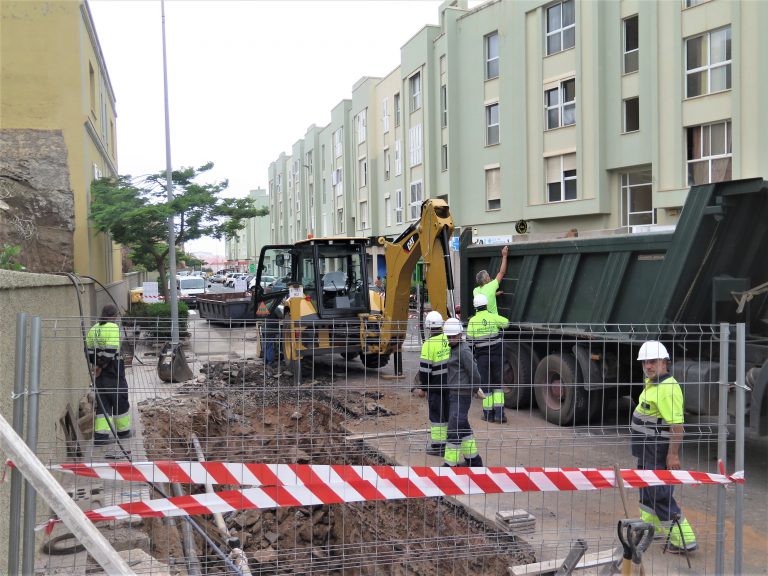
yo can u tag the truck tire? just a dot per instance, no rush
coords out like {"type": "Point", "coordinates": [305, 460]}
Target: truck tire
{"type": "Point", "coordinates": [559, 400]}
{"type": "Point", "coordinates": [374, 360]}
{"type": "Point", "coordinates": [517, 376]}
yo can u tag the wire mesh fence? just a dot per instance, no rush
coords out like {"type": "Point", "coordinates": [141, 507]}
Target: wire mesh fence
{"type": "Point", "coordinates": [568, 395]}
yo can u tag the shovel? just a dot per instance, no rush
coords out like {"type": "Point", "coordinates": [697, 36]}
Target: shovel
{"type": "Point", "coordinates": [635, 537]}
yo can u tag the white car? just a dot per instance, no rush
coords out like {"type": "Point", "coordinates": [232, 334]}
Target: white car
{"type": "Point", "coordinates": [265, 281]}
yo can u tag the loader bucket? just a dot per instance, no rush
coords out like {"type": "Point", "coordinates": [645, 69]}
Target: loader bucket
{"type": "Point", "coordinates": [172, 365]}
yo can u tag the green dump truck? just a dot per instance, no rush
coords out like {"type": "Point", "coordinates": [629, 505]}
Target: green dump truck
{"type": "Point", "coordinates": [580, 307]}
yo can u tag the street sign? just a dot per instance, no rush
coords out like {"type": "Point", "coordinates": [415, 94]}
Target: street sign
{"type": "Point", "coordinates": [455, 243]}
{"type": "Point", "coordinates": [251, 268]}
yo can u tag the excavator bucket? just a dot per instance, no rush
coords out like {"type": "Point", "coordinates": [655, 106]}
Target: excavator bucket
{"type": "Point", "coordinates": [172, 365]}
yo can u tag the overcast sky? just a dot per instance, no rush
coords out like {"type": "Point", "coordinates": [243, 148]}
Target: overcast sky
{"type": "Point", "coordinates": [246, 78]}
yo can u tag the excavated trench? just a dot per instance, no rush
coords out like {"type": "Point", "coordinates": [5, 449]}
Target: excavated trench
{"type": "Point", "coordinates": [264, 419]}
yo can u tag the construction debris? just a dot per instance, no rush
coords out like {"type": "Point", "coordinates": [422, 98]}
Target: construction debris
{"type": "Point", "coordinates": [516, 521]}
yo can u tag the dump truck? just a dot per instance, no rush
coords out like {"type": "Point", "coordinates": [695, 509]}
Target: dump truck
{"type": "Point", "coordinates": [580, 307]}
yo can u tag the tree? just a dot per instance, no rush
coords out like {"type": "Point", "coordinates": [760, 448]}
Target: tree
{"type": "Point", "coordinates": [135, 212]}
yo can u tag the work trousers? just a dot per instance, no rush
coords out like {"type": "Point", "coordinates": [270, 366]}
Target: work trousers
{"type": "Point", "coordinates": [439, 409]}
{"type": "Point", "coordinates": [490, 365]}
{"type": "Point", "coordinates": [461, 441]}
{"type": "Point", "coordinates": [112, 403]}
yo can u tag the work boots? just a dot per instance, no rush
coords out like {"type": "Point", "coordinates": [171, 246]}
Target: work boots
{"type": "Point", "coordinates": [475, 461]}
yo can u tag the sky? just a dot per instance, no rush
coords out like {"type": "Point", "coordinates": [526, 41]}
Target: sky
{"type": "Point", "coordinates": [245, 78]}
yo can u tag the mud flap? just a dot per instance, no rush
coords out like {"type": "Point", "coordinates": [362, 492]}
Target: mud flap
{"type": "Point", "coordinates": [172, 365]}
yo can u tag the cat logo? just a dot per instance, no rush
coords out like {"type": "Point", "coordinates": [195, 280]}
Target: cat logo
{"type": "Point", "coordinates": [411, 243]}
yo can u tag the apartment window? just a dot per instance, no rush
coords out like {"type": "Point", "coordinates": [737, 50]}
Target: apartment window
{"type": "Point", "coordinates": [442, 64]}
{"type": "Point", "coordinates": [689, 3]}
{"type": "Point", "coordinates": [493, 188]}
{"type": "Point", "coordinates": [386, 163]}
{"type": "Point", "coordinates": [631, 45]}
{"type": "Point", "coordinates": [399, 206]}
{"type": "Point", "coordinates": [362, 172]}
{"type": "Point", "coordinates": [561, 178]}
{"type": "Point", "coordinates": [443, 106]}
{"type": "Point", "coordinates": [308, 164]}
{"type": "Point", "coordinates": [561, 26]}
{"type": "Point", "coordinates": [560, 105]}
{"type": "Point", "coordinates": [492, 55]}
{"type": "Point", "coordinates": [338, 147]}
{"type": "Point", "coordinates": [637, 199]}
{"type": "Point", "coordinates": [415, 200]}
{"type": "Point", "coordinates": [709, 153]}
{"type": "Point", "coordinates": [708, 63]}
{"type": "Point", "coordinates": [397, 109]}
{"type": "Point", "coordinates": [631, 115]}
{"type": "Point", "coordinates": [340, 220]}
{"type": "Point", "coordinates": [361, 126]}
{"type": "Point", "coordinates": [398, 159]}
{"type": "Point", "coordinates": [363, 215]}
{"type": "Point", "coordinates": [492, 124]}
{"type": "Point", "coordinates": [387, 211]}
{"type": "Point", "coordinates": [415, 83]}
{"type": "Point", "coordinates": [385, 114]}
{"type": "Point", "coordinates": [92, 86]}
{"type": "Point", "coordinates": [415, 145]}
{"type": "Point", "coordinates": [444, 157]}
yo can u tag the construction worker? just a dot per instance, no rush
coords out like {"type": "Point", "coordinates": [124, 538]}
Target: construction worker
{"type": "Point", "coordinates": [484, 338]}
{"type": "Point", "coordinates": [435, 353]}
{"type": "Point", "coordinates": [657, 433]}
{"type": "Point", "coordinates": [461, 378]}
{"type": "Point", "coordinates": [491, 287]}
{"type": "Point", "coordinates": [103, 349]}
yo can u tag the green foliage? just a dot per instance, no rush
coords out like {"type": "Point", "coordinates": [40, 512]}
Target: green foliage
{"type": "Point", "coordinates": [156, 318]}
{"type": "Point", "coordinates": [8, 256]}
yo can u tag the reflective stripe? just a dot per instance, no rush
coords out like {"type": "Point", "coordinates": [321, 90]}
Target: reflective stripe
{"type": "Point", "coordinates": [123, 422]}
{"type": "Point", "coordinates": [100, 424]}
{"type": "Point", "coordinates": [483, 342]}
{"type": "Point", "coordinates": [488, 402]}
{"type": "Point", "coordinates": [469, 447]}
{"type": "Point", "coordinates": [649, 427]}
{"type": "Point", "coordinates": [498, 397]}
{"type": "Point", "coordinates": [452, 454]}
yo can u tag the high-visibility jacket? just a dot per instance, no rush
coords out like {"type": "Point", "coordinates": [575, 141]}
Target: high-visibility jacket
{"type": "Point", "coordinates": [483, 329]}
{"type": "Point", "coordinates": [661, 404]}
{"type": "Point", "coordinates": [433, 365]}
{"type": "Point", "coordinates": [103, 343]}
{"type": "Point", "coordinates": [489, 290]}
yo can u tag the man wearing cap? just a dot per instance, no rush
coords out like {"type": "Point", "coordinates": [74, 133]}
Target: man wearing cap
{"type": "Point", "coordinates": [657, 433]}
{"type": "Point", "coordinates": [484, 338]}
{"type": "Point", "coordinates": [461, 378]}
{"type": "Point", "coordinates": [490, 287]}
{"type": "Point", "coordinates": [435, 353]}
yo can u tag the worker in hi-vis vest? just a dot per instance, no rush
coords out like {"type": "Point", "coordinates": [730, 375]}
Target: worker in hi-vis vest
{"type": "Point", "coordinates": [657, 434]}
{"type": "Point", "coordinates": [484, 337]}
{"type": "Point", "coordinates": [433, 367]}
{"type": "Point", "coordinates": [103, 349]}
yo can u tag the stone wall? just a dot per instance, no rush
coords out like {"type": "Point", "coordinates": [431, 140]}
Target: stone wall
{"type": "Point", "coordinates": [37, 209]}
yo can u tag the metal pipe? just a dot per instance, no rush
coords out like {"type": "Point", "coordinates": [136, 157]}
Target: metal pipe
{"type": "Point", "coordinates": [722, 448]}
{"type": "Point", "coordinates": [188, 540]}
{"type": "Point", "coordinates": [739, 455]}
{"type": "Point", "coordinates": [14, 519]}
{"type": "Point", "coordinates": [30, 494]}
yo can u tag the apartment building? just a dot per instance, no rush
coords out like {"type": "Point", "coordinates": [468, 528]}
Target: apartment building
{"type": "Point", "coordinates": [58, 133]}
{"type": "Point", "coordinates": [567, 114]}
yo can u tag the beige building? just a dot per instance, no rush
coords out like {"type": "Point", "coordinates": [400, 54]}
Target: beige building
{"type": "Point", "coordinates": [57, 132]}
{"type": "Point", "coordinates": [567, 114]}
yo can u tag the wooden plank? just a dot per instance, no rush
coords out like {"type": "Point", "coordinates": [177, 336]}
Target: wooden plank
{"type": "Point", "coordinates": [377, 435]}
{"type": "Point", "coordinates": [589, 560]}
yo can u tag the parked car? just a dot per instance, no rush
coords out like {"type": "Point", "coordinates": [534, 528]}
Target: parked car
{"type": "Point", "coordinates": [217, 278]}
{"type": "Point", "coordinates": [230, 282]}
{"type": "Point", "coordinates": [265, 281]}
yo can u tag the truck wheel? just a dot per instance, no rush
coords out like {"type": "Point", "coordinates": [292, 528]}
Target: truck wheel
{"type": "Point", "coordinates": [559, 400]}
{"type": "Point", "coordinates": [374, 360]}
{"type": "Point", "coordinates": [517, 375]}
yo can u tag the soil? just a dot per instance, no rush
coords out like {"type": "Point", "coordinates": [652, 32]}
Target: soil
{"type": "Point", "coordinates": [264, 418]}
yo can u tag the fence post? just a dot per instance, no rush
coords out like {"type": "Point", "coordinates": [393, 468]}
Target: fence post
{"type": "Point", "coordinates": [14, 519]}
{"type": "Point", "coordinates": [739, 455]}
{"type": "Point", "coordinates": [722, 448]}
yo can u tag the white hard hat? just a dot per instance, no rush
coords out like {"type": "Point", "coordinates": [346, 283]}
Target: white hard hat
{"type": "Point", "coordinates": [653, 350]}
{"type": "Point", "coordinates": [452, 327]}
{"type": "Point", "coordinates": [433, 320]}
{"type": "Point", "coordinates": [480, 300]}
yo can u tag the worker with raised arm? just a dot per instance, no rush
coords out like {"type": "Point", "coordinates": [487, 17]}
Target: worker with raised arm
{"type": "Point", "coordinates": [657, 434]}
{"type": "Point", "coordinates": [491, 287]}
{"type": "Point", "coordinates": [435, 353]}
{"type": "Point", "coordinates": [485, 339]}
{"type": "Point", "coordinates": [103, 350]}
{"type": "Point", "coordinates": [461, 379]}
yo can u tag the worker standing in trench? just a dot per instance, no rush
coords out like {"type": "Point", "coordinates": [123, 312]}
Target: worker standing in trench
{"type": "Point", "coordinates": [657, 433]}
{"type": "Point", "coordinates": [461, 378]}
{"type": "Point", "coordinates": [435, 353]}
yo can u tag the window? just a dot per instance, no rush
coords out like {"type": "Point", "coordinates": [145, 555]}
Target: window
{"type": "Point", "coordinates": [631, 45]}
{"type": "Point", "coordinates": [415, 145]}
{"type": "Point", "coordinates": [387, 211]}
{"type": "Point", "coordinates": [363, 215]}
{"type": "Point", "coordinates": [492, 55]}
{"type": "Point", "coordinates": [444, 157]}
{"type": "Point", "coordinates": [561, 178]}
{"type": "Point", "coordinates": [397, 109]}
{"type": "Point", "coordinates": [493, 189]}
{"type": "Point", "coordinates": [338, 148]}
{"type": "Point", "coordinates": [709, 153]}
{"type": "Point", "coordinates": [385, 114]}
{"type": "Point", "coordinates": [361, 125]}
{"type": "Point", "coordinates": [362, 172]}
{"type": "Point", "coordinates": [442, 64]}
{"type": "Point", "coordinates": [492, 124]}
{"type": "Point", "coordinates": [415, 83]}
{"type": "Point", "coordinates": [340, 220]}
{"type": "Point", "coordinates": [415, 200]}
{"type": "Point", "coordinates": [398, 159]}
{"type": "Point", "coordinates": [443, 106]}
{"type": "Point", "coordinates": [399, 206]}
{"type": "Point", "coordinates": [561, 26]}
{"type": "Point", "coordinates": [708, 63]}
{"type": "Point", "coordinates": [631, 115]}
{"type": "Point", "coordinates": [386, 163]}
{"type": "Point", "coordinates": [92, 86]}
{"type": "Point", "coordinates": [689, 3]}
{"type": "Point", "coordinates": [308, 165]}
{"type": "Point", "coordinates": [637, 199]}
{"type": "Point", "coordinates": [560, 105]}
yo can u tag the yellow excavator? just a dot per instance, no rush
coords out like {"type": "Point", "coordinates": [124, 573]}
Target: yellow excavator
{"type": "Point", "coordinates": [323, 303]}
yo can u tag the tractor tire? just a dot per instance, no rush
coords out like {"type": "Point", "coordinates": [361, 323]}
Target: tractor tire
{"type": "Point", "coordinates": [517, 377]}
{"type": "Point", "coordinates": [374, 360]}
{"type": "Point", "coordinates": [560, 400]}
